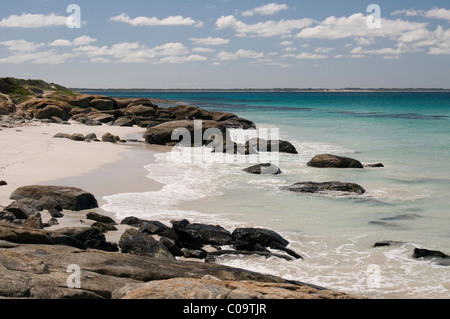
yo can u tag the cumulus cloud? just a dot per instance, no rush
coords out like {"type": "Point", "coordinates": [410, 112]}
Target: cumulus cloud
{"type": "Point", "coordinates": [21, 46]}
{"type": "Point", "coordinates": [310, 56]}
{"type": "Point", "coordinates": [29, 20]}
{"type": "Point", "coordinates": [83, 40]}
{"type": "Point", "coordinates": [209, 41]}
{"type": "Point", "coordinates": [262, 29]}
{"type": "Point", "coordinates": [268, 9]}
{"type": "Point", "coordinates": [434, 13]}
{"type": "Point", "coordinates": [153, 21]}
{"type": "Point", "coordinates": [228, 56]}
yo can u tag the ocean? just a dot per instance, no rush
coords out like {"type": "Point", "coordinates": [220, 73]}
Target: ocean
{"type": "Point", "coordinates": [407, 201]}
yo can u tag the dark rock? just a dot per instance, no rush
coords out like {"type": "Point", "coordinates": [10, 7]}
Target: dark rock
{"type": "Point", "coordinates": [183, 132]}
{"type": "Point", "coordinates": [77, 137]}
{"type": "Point", "coordinates": [82, 234]}
{"type": "Point", "coordinates": [123, 121]}
{"type": "Point", "coordinates": [24, 235]}
{"type": "Point", "coordinates": [258, 235]}
{"type": "Point", "coordinates": [135, 242]}
{"type": "Point", "coordinates": [274, 245]}
{"type": "Point", "coordinates": [61, 135]}
{"type": "Point", "coordinates": [153, 228]}
{"type": "Point", "coordinates": [186, 112]}
{"type": "Point", "coordinates": [132, 221]}
{"type": "Point", "coordinates": [249, 246]}
{"type": "Point", "coordinates": [21, 210]}
{"type": "Point", "coordinates": [263, 169]}
{"type": "Point", "coordinates": [50, 203]}
{"type": "Point", "coordinates": [100, 218]}
{"type": "Point", "coordinates": [90, 137]}
{"type": "Point", "coordinates": [7, 216]}
{"type": "Point", "coordinates": [210, 234]}
{"type": "Point", "coordinates": [198, 254]}
{"type": "Point", "coordinates": [387, 243]}
{"type": "Point", "coordinates": [52, 222]}
{"type": "Point", "coordinates": [183, 239]}
{"type": "Point", "coordinates": [102, 245]}
{"type": "Point", "coordinates": [56, 120]}
{"type": "Point", "coordinates": [69, 198]}
{"type": "Point", "coordinates": [327, 160]}
{"type": "Point", "coordinates": [374, 165]}
{"type": "Point", "coordinates": [211, 255]}
{"type": "Point", "coordinates": [238, 123]}
{"type": "Point", "coordinates": [3, 183]}
{"type": "Point", "coordinates": [80, 101]}
{"type": "Point", "coordinates": [426, 253]}
{"type": "Point", "coordinates": [140, 111]}
{"type": "Point", "coordinates": [104, 227]}
{"type": "Point", "coordinates": [181, 224]}
{"type": "Point", "coordinates": [50, 111]}
{"type": "Point", "coordinates": [103, 104]}
{"type": "Point", "coordinates": [261, 145]}
{"type": "Point", "coordinates": [312, 187]}
{"type": "Point", "coordinates": [171, 246]}
{"type": "Point", "coordinates": [7, 108]}
{"type": "Point", "coordinates": [108, 137]}
{"type": "Point", "coordinates": [34, 221]}
{"type": "Point", "coordinates": [383, 223]}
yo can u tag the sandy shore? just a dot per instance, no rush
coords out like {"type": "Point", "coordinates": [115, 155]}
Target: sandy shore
{"type": "Point", "coordinates": [31, 156]}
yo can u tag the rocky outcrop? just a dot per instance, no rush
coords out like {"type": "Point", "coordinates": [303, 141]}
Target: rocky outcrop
{"type": "Point", "coordinates": [263, 169]}
{"type": "Point", "coordinates": [209, 287]}
{"type": "Point", "coordinates": [333, 161]}
{"type": "Point", "coordinates": [326, 187]}
{"type": "Point", "coordinates": [69, 198]}
{"type": "Point", "coordinates": [260, 145]}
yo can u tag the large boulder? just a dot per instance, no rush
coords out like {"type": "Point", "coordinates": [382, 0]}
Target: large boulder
{"type": "Point", "coordinates": [182, 132]}
{"type": "Point", "coordinates": [139, 243]}
{"type": "Point", "coordinates": [312, 187]}
{"type": "Point", "coordinates": [7, 107]}
{"type": "Point", "coordinates": [261, 145]}
{"type": "Point", "coordinates": [328, 160]}
{"type": "Point", "coordinates": [69, 198]}
{"type": "Point", "coordinates": [261, 236]}
{"type": "Point", "coordinates": [103, 104]}
{"type": "Point", "coordinates": [50, 111]}
{"type": "Point", "coordinates": [210, 234]}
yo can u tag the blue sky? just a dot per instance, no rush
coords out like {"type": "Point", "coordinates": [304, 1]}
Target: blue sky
{"type": "Point", "coordinates": [228, 43]}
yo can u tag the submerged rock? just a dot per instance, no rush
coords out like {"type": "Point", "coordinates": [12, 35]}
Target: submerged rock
{"type": "Point", "coordinates": [264, 169]}
{"type": "Point", "coordinates": [312, 187]}
{"type": "Point", "coordinates": [333, 161]}
{"type": "Point", "coordinates": [426, 253]}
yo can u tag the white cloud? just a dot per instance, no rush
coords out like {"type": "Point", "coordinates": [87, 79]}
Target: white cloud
{"type": "Point", "coordinates": [268, 9]}
{"type": "Point", "coordinates": [147, 21]}
{"type": "Point", "coordinates": [29, 20]}
{"type": "Point", "coordinates": [41, 57]}
{"type": "Point", "coordinates": [228, 56]}
{"type": "Point", "coordinates": [210, 41]}
{"type": "Point", "coordinates": [21, 46]}
{"type": "Point", "coordinates": [287, 43]}
{"type": "Point", "coordinates": [183, 59]}
{"type": "Point", "coordinates": [434, 13]}
{"type": "Point", "coordinates": [83, 40]}
{"type": "Point", "coordinates": [322, 50]}
{"type": "Point", "coordinates": [307, 55]}
{"type": "Point", "coordinates": [203, 50]}
{"type": "Point", "coordinates": [262, 29]}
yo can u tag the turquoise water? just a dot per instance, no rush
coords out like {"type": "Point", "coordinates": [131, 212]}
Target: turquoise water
{"type": "Point", "coordinates": [408, 132]}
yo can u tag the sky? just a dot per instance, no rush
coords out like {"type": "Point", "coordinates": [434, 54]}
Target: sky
{"type": "Point", "coordinates": [227, 44]}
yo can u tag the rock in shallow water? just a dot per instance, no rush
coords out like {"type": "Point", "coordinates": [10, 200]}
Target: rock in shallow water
{"type": "Point", "coordinates": [334, 161]}
{"type": "Point", "coordinates": [264, 169]}
{"type": "Point", "coordinates": [312, 187]}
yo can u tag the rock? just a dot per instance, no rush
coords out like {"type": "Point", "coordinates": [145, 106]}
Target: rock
{"type": "Point", "coordinates": [50, 111]}
{"type": "Point", "coordinates": [103, 104]}
{"type": "Point", "coordinates": [7, 216]}
{"type": "Point", "coordinates": [34, 221]}
{"type": "Point", "coordinates": [205, 288]}
{"type": "Point", "coordinates": [56, 120]}
{"type": "Point", "coordinates": [108, 137]}
{"type": "Point", "coordinates": [83, 234]}
{"type": "Point", "coordinates": [104, 227]}
{"type": "Point", "coordinates": [132, 221]}
{"type": "Point", "coordinates": [383, 223]}
{"type": "Point", "coordinates": [197, 254]}
{"type": "Point", "coordinates": [80, 101]}
{"type": "Point", "coordinates": [77, 137]}
{"type": "Point", "coordinates": [24, 235]}
{"type": "Point", "coordinates": [50, 204]}
{"type": "Point", "coordinates": [261, 236]}
{"type": "Point", "coordinates": [98, 117]}
{"type": "Point", "coordinates": [153, 228]}
{"type": "Point", "coordinates": [183, 238]}
{"type": "Point", "coordinates": [186, 112]}
{"type": "Point", "coordinates": [90, 137]}
{"type": "Point", "coordinates": [123, 121]}
{"type": "Point", "coordinates": [327, 160]}
{"type": "Point", "coordinates": [100, 218]}
{"type": "Point", "coordinates": [263, 169]}
{"type": "Point", "coordinates": [374, 165]}
{"type": "Point", "coordinates": [61, 135]}
{"type": "Point", "coordinates": [275, 245]}
{"type": "Point", "coordinates": [388, 243]}
{"type": "Point", "coordinates": [171, 246]}
{"type": "Point", "coordinates": [249, 246]}
{"type": "Point", "coordinates": [21, 210]}
{"type": "Point", "coordinates": [263, 252]}
{"type": "Point", "coordinates": [3, 183]}
{"type": "Point", "coordinates": [261, 145]}
{"type": "Point", "coordinates": [140, 111]}
{"type": "Point", "coordinates": [183, 132]}
{"type": "Point", "coordinates": [69, 198]}
{"type": "Point", "coordinates": [238, 123]}
{"type": "Point", "coordinates": [210, 234]}
{"type": "Point", "coordinates": [135, 242]}
{"type": "Point", "coordinates": [102, 245]}
{"type": "Point", "coordinates": [312, 187]}
{"type": "Point", "coordinates": [7, 108]}
{"type": "Point", "coordinates": [426, 253]}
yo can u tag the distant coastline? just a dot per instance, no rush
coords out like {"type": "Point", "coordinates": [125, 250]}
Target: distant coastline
{"type": "Point", "coordinates": [274, 90]}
